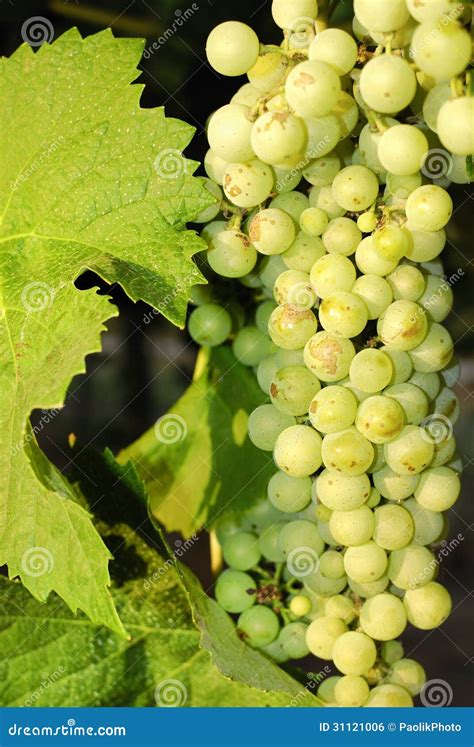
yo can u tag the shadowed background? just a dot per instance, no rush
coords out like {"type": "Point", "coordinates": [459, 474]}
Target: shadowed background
{"type": "Point", "coordinates": [143, 369]}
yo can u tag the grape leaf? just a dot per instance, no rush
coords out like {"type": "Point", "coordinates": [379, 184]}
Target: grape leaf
{"type": "Point", "coordinates": [198, 461]}
{"type": "Point", "coordinates": [88, 180]}
{"type": "Point", "coordinates": [51, 658]}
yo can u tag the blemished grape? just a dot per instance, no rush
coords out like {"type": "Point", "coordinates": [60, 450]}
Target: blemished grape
{"type": "Point", "coordinates": [298, 451]}
{"type": "Point", "coordinates": [312, 89]}
{"type": "Point", "coordinates": [389, 696]}
{"type": "Point", "coordinates": [248, 184]}
{"type": "Point", "coordinates": [241, 551]}
{"type": "Point", "coordinates": [259, 626]}
{"type": "Point", "coordinates": [410, 452]}
{"type": "Point", "coordinates": [379, 419]}
{"type": "Point", "coordinates": [272, 231]}
{"type": "Point", "coordinates": [322, 634]}
{"type": "Point", "coordinates": [408, 674]}
{"type": "Point", "coordinates": [231, 254]}
{"type": "Point", "coordinates": [403, 325]}
{"type": "Point", "coordinates": [342, 492]}
{"type": "Point", "coordinates": [265, 425]}
{"type": "Point", "coordinates": [291, 326]}
{"type": "Point", "coordinates": [347, 451]}
{"type": "Point", "coordinates": [387, 84]}
{"type": "Point", "coordinates": [428, 606]}
{"type": "Point", "coordinates": [293, 388]}
{"type": "Point", "coordinates": [235, 591]}
{"type": "Point", "coordinates": [393, 486]}
{"type": "Point", "coordinates": [210, 324]}
{"type": "Point", "coordinates": [354, 652]}
{"type": "Point", "coordinates": [332, 409]}
{"type": "Point", "coordinates": [277, 137]}
{"type": "Point", "coordinates": [355, 188]}
{"type": "Point", "coordinates": [268, 71]}
{"type": "Point", "coordinates": [329, 356]}
{"type": "Point", "coordinates": [371, 370]}
{"type": "Point", "coordinates": [293, 286]}
{"type": "Point", "coordinates": [232, 48]}
{"type": "Point", "coordinates": [343, 313]}
{"type": "Point", "coordinates": [289, 493]}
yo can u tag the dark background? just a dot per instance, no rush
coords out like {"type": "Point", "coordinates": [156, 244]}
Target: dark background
{"type": "Point", "coordinates": [143, 369]}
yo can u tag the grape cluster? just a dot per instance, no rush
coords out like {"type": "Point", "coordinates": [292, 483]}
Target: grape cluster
{"type": "Point", "coordinates": [326, 213]}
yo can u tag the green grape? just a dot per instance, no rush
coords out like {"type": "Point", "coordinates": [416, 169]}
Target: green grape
{"type": "Point", "coordinates": [293, 286]}
{"type": "Point", "coordinates": [210, 324]}
{"type": "Point", "coordinates": [354, 653]}
{"type": "Point", "coordinates": [343, 313]}
{"type": "Point", "coordinates": [251, 346]}
{"type": "Point", "coordinates": [407, 283]}
{"type": "Point", "coordinates": [392, 651]}
{"type": "Point", "coordinates": [293, 640]}
{"type": "Point", "coordinates": [438, 489]}
{"type": "Point", "coordinates": [268, 71]}
{"type": "Point", "coordinates": [300, 606]}
{"type": "Point", "coordinates": [358, 393]}
{"type": "Point", "coordinates": [329, 356]}
{"type": "Point", "coordinates": [322, 634]}
{"type": "Point", "coordinates": [332, 273]}
{"type": "Point", "coordinates": [427, 245]}
{"type": "Point", "coordinates": [298, 451]}
{"type": "Point", "coordinates": [231, 254]}
{"type": "Point", "coordinates": [263, 314]}
{"type": "Point", "coordinates": [262, 514]}
{"type": "Point", "coordinates": [331, 564]}
{"type": "Point", "coordinates": [292, 203]}
{"type": "Point", "coordinates": [428, 524]}
{"type": "Point", "coordinates": [369, 140]}
{"type": "Point", "coordinates": [441, 49]}
{"type": "Point", "coordinates": [399, 39]}
{"type": "Point", "coordinates": [435, 352]}
{"type": "Point", "coordinates": [313, 222]}
{"type": "Point", "coordinates": [322, 512]}
{"type": "Point", "coordinates": [387, 84]}
{"type": "Point", "coordinates": [268, 543]}
{"type": "Point", "coordinates": [200, 294]}
{"type": "Point", "coordinates": [411, 566]}
{"type": "Point", "coordinates": [325, 691]}
{"type": "Point", "coordinates": [367, 222]}
{"type": "Point", "coordinates": [393, 486]}
{"type": "Point", "coordinates": [289, 357]}
{"type": "Point", "coordinates": [393, 528]}
{"type": "Point", "coordinates": [455, 125]}
{"type": "Point", "coordinates": [209, 213]}
{"type": "Point", "coordinates": [394, 16]}
{"type": "Point", "coordinates": [352, 528]}
{"type": "Point", "coordinates": [275, 652]}
{"type": "Point", "coordinates": [365, 563]}
{"type": "Point", "coordinates": [248, 184]}
{"type": "Point", "coordinates": [444, 451]}
{"type": "Point", "coordinates": [332, 409]}
{"type": "Point", "coordinates": [285, 14]}
{"type": "Point", "coordinates": [402, 186]}
{"type": "Point", "coordinates": [293, 388]}
{"type": "Point", "coordinates": [265, 425]}
{"type": "Point", "coordinates": [312, 88]}
{"type": "Point", "coordinates": [347, 451]}
{"type": "Point", "coordinates": [355, 188]}
{"type": "Point", "coordinates": [266, 370]}
{"type": "Point", "coordinates": [383, 617]}
{"type": "Point", "coordinates": [341, 492]}
{"type": "Point", "coordinates": [451, 373]}
{"type": "Point", "coordinates": [270, 268]}
{"type": "Point", "coordinates": [429, 208]}
{"type": "Point", "coordinates": [410, 452]}
{"type": "Point", "coordinates": [351, 691]}
{"type": "Point", "coordinates": [375, 292]}
{"type": "Point", "coordinates": [291, 326]}
{"type": "Point", "coordinates": [272, 231]}
{"type": "Point", "coordinates": [379, 419]}
{"type": "Point", "coordinates": [232, 48]}
{"type": "Point", "coordinates": [374, 497]}
{"type": "Point", "coordinates": [402, 149]}
{"type": "Point", "coordinates": [289, 493]}
{"type": "Point", "coordinates": [336, 48]}
{"type": "Point", "coordinates": [301, 536]}
{"type": "Point", "coordinates": [432, 11]}
{"type": "Point", "coordinates": [341, 607]}
{"type": "Point", "coordinates": [347, 113]}
{"type": "Point", "coordinates": [241, 551]}
{"type": "Point", "coordinates": [369, 589]}
{"type": "Point", "coordinates": [434, 100]}
{"type": "Point", "coordinates": [316, 583]}
{"type": "Point", "coordinates": [228, 524]}
{"type": "Point", "coordinates": [286, 180]}
{"type": "Point", "coordinates": [369, 260]}
{"type": "Point", "coordinates": [228, 133]}
{"type": "Point", "coordinates": [371, 370]}
{"type": "Point", "coordinates": [321, 171]}
{"type": "Point", "coordinates": [235, 591]}
{"type": "Point", "coordinates": [437, 298]}
{"type": "Point", "coordinates": [392, 242]}
{"type": "Point", "coordinates": [428, 382]}
{"type": "Point", "coordinates": [323, 198]}
{"type": "Point", "coordinates": [247, 95]}
{"type": "Point", "coordinates": [389, 696]}
{"type": "Point", "coordinates": [427, 607]}
{"type": "Point", "coordinates": [258, 626]}
{"type": "Point", "coordinates": [277, 137]}
{"type": "Point", "coordinates": [401, 362]}
{"type": "Point", "coordinates": [408, 674]}
{"type": "Point", "coordinates": [341, 236]}
{"type": "Point", "coordinates": [403, 325]}
{"type": "Point", "coordinates": [324, 134]}
{"type": "Point", "coordinates": [215, 166]}
{"type": "Point", "coordinates": [304, 251]}
{"type": "Point", "coordinates": [412, 399]}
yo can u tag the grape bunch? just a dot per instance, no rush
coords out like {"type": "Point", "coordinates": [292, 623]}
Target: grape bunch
{"type": "Point", "coordinates": [330, 222]}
